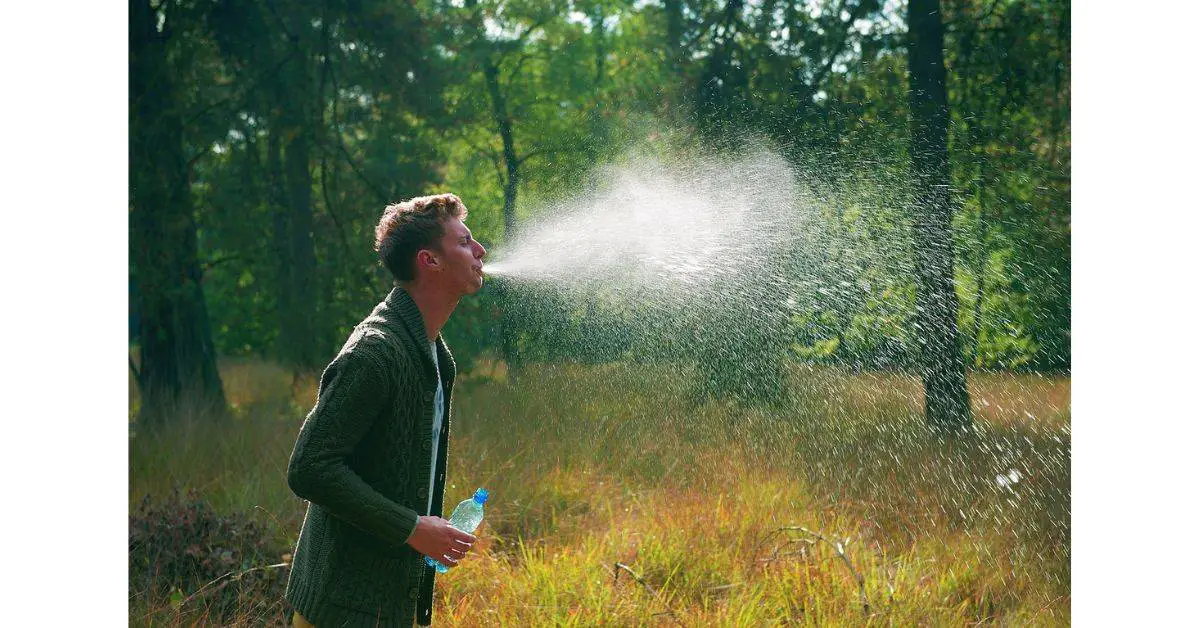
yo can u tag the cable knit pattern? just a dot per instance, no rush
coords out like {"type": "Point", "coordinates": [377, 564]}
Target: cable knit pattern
{"type": "Point", "coordinates": [362, 462]}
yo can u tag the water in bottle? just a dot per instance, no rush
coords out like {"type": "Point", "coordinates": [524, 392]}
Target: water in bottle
{"type": "Point", "coordinates": [466, 517]}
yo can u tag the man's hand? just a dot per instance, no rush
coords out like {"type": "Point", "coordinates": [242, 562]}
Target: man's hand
{"type": "Point", "coordinates": [436, 538]}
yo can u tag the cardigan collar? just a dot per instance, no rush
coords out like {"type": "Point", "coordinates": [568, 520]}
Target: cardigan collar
{"type": "Point", "coordinates": [401, 302]}
{"type": "Point", "coordinates": [405, 312]}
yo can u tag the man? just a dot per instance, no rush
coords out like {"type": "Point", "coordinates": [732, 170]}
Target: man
{"type": "Point", "coordinates": [371, 455]}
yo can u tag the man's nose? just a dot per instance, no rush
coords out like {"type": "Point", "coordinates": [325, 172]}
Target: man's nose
{"type": "Point", "coordinates": [481, 252]}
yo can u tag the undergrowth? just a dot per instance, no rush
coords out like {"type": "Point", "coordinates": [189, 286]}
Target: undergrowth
{"type": "Point", "coordinates": [618, 501]}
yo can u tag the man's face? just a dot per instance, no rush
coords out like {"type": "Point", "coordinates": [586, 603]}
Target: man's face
{"type": "Point", "coordinates": [461, 258]}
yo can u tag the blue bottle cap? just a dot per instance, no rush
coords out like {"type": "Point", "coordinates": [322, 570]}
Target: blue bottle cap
{"type": "Point", "coordinates": [480, 496]}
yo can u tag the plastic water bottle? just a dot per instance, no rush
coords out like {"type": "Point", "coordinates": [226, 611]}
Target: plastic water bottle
{"type": "Point", "coordinates": [467, 516]}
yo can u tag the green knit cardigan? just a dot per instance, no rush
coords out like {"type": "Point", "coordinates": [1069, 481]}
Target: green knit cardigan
{"type": "Point", "coordinates": [362, 462]}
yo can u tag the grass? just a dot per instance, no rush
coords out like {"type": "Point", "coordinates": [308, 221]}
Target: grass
{"type": "Point", "coordinates": [618, 502]}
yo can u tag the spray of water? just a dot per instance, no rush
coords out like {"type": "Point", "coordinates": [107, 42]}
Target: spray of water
{"type": "Point", "coordinates": [725, 269]}
{"type": "Point", "coordinates": [664, 226]}
{"type": "Point", "coordinates": [695, 261]}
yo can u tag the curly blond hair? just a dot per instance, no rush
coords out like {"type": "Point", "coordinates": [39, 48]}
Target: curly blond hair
{"type": "Point", "coordinates": [412, 225]}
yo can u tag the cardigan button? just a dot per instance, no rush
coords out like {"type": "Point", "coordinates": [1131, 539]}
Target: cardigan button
{"type": "Point", "coordinates": [423, 493]}
{"type": "Point", "coordinates": [427, 445]}
{"type": "Point", "coordinates": [412, 594]}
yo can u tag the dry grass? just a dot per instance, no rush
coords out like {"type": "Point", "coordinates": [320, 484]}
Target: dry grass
{"type": "Point", "coordinates": [591, 466]}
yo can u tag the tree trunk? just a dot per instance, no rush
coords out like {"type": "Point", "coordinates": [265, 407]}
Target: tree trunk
{"type": "Point", "coordinates": [511, 163]}
{"type": "Point", "coordinates": [981, 258]}
{"type": "Point", "coordinates": [300, 331]}
{"type": "Point", "coordinates": [675, 35]}
{"type": "Point", "coordinates": [500, 115]}
{"type": "Point", "coordinates": [294, 220]}
{"type": "Point", "coordinates": [947, 407]}
{"type": "Point", "coordinates": [508, 337]}
{"type": "Point", "coordinates": [601, 49]}
{"type": "Point", "coordinates": [723, 83]}
{"type": "Point", "coordinates": [277, 201]}
{"type": "Point", "coordinates": [967, 44]}
{"type": "Point", "coordinates": [178, 368]}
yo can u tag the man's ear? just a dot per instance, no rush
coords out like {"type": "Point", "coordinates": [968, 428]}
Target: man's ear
{"type": "Point", "coordinates": [426, 258]}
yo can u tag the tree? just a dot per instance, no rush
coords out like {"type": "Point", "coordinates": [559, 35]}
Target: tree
{"type": "Point", "coordinates": [300, 120]}
{"type": "Point", "coordinates": [335, 113]}
{"type": "Point", "coordinates": [1009, 93]}
{"type": "Point", "coordinates": [943, 371]}
{"type": "Point", "coordinates": [178, 361]}
{"type": "Point", "coordinates": [525, 73]}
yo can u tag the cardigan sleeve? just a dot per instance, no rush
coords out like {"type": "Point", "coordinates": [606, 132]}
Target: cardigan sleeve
{"type": "Point", "coordinates": [352, 394]}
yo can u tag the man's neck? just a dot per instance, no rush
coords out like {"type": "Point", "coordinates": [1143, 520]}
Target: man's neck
{"type": "Point", "coordinates": [435, 305]}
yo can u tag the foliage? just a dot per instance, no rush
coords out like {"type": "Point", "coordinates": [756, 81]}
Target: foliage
{"type": "Point", "coordinates": [200, 562]}
{"type": "Point", "coordinates": [395, 100]}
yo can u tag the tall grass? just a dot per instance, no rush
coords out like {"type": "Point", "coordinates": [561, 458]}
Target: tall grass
{"type": "Point", "coordinates": [617, 501]}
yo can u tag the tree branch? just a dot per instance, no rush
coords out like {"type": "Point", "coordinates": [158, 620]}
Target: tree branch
{"type": "Point", "coordinates": [191, 164]}
{"type": "Point", "coordinates": [483, 150]}
{"type": "Point", "coordinates": [518, 44]}
{"type": "Point", "coordinates": [211, 264]}
{"type": "Point", "coordinates": [254, 82]}
{"type": "Point", "coordinates": [497, 163]}
{"type": "Point", "coordinates": [366, 278]}
{"type": "Point", "coordinates": [383, 196]}
{"type": "Point", "coordinates": [137, 375]}
{"type": "Point", "coordinates": [525, 56]}
{"type": "Point", "coordinates": [618, 567]}
{"type": "Point", "coordinates": [705, 26]}
{"type": "Point", "coordinates": [327, 72]}
{"type": "Point", "coordinates": [540, 152]}
{"type": "Point", "coordinates": [520, 40]}
{"type": "Point", "coordinates": [229, 577]}
{"type": "Point", "coordinates": [838, 547]}
{"type": "Point", "coordinates": [856, 14]}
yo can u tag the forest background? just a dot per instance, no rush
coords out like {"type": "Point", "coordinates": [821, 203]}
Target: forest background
{"type": "Point", "coordinates": [265, 137]}
{"type": "Point", "coordinates": [1131, 250]}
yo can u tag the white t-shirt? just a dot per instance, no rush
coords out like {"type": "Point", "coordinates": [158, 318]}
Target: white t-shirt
{"type": "Point", "coordinates": [438, 411]}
